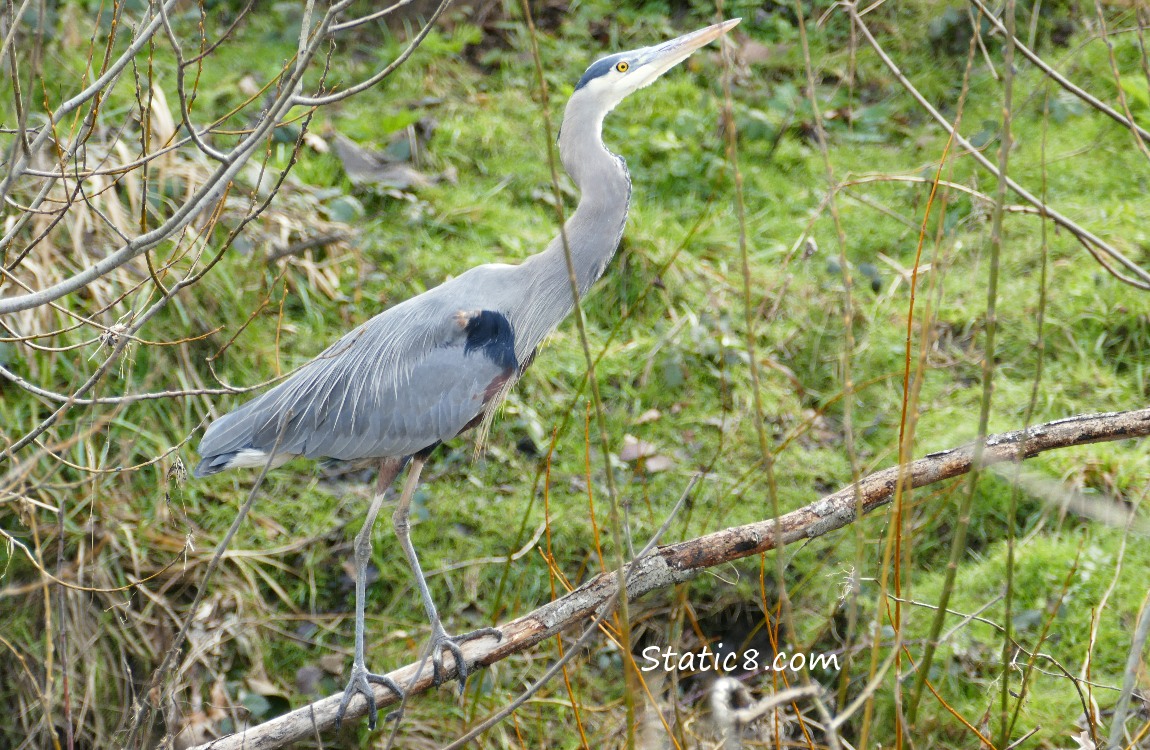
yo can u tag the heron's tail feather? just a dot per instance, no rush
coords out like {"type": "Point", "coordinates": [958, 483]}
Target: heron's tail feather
{"type": "Point", "coordinates": [228, 441]}
{"type": "Point", "coordinates": [213, 465]}
{"type": "Point", "coordinates": [245, 458]}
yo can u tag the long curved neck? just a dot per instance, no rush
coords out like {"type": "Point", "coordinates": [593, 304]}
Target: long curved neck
{"type": "Point", "coordinates": [594, 230]}
{"type": "Point", "coordinates": [592, 233]}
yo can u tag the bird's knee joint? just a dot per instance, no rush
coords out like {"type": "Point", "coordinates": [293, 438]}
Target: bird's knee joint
{"type": "Point", "coordinates": [363, 547]}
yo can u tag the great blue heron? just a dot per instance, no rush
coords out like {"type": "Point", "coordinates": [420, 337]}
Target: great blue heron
{"type": "Point", "coordinates": [426, 370]}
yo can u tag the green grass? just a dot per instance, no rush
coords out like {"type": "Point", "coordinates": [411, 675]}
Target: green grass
{"type": "Point", "coordinates": [282, 601]}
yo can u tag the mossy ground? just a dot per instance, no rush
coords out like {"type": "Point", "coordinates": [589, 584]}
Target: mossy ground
{"type": "Point", "coordinates": [669, 320]}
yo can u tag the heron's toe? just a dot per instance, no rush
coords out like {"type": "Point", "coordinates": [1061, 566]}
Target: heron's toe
{"type": "Point", "coordinates": [438, 673]}
{"type": "Point", "coordinates": [480, 633]}
{"type": "Point", "coordinates": [441, 641]}
{"type": "Point", "coordinates": [360, 683]}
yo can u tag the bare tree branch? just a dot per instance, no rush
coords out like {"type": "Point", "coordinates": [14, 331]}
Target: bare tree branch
{"type": "Point", "coordinates": [681, 562]}
{"type": "Point", "coordinates": [1062, 80]}
{"type": "Point", "coordinates": [208, 193]}
{"type": "Point", "coordinates": [16, 169]}
{"type": "Point", "coordinates": [369, 18]}
{"type": "Point", "coordinates": [1094, 244]}
{"type": "Point", "coordinates": [212, 189]}
{"type": "Point", "coordinates": [129, 398]}
{"type": "Point", "coordinates": [319, 101]}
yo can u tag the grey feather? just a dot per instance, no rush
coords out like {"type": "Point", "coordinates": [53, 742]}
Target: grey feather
{"type": "Point", "coordinates": [391, 387]}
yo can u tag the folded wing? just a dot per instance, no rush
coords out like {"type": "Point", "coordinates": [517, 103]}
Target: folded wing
{"type": "Point", "coordinates": [391, 387]}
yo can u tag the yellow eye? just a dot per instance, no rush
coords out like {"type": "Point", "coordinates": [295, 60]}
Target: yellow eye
{"type": "Point", "coordinates": [622, 66]}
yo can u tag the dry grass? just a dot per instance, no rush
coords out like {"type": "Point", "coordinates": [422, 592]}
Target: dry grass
{"type": "Point", "coordinates": [107, 542]}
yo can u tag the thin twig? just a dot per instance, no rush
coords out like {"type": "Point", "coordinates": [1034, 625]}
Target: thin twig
{"type": "Point", "coordinates": [576, 648]}
{"type": "Point", "coordinates": [1130, 678]}
{"type": "Point", "coordinates": [369, 17]}
{"type": "Point", "coordinates": [320, 101]}
{"type": "Point", "coordinates": [1093, 244]}
{"type": "Point", "coordinates": [161, 672]}
{"type": "Point", "coordinates": [1060, 79]}
{"type": "Point", "coordinates": [296, 248]}
{"type": "Point", "coordinates": [208, 194]}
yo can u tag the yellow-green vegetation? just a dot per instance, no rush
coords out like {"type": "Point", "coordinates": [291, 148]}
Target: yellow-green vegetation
{"type": "Point", "coordinates": [669, 322]}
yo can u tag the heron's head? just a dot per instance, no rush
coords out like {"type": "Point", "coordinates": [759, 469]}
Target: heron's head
{"type": "Point", "coordinates": [610, 79]}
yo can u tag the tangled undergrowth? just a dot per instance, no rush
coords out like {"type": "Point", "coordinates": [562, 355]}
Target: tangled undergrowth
{"type": "Point", "coordinates": [711, 360]}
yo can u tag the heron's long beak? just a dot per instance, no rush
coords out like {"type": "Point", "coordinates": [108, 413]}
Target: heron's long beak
{"type": "Point", "coordinates": [655, 61]}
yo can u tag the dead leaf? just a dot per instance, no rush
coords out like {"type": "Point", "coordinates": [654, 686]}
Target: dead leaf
{"type": "Point", "coordinates": [307, 679]}
{"type": "Point", "coordinates": [634, 449]}
{"type": "Point", "coordinates": [262, 686]}
{"type": "Point", "coordinates": [248, 85]}
{"type": "Point", "coordinates": [648, 416]}
{"type": "Point", "coordinates": [754, 53]}
{"type": "Point", "coordinates": [751, 52]}
{"type": "Point", "coordinates": [316, 142]}
{"type": "Point", "coordinates": [644, 455]}
{"type": "Point", "coordinates": [331, 663]}
{"type": "Point", "coordinates": [658, 463]}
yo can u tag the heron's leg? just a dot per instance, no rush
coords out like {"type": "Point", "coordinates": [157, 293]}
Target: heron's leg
{"type": "Point", "coordinates": [439, 638]}
{"type": "Point", "coordinates": [361, 678]}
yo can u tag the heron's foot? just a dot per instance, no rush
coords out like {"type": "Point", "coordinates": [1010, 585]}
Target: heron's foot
{"type": "Point", "coordinates": [441, 641]}
{"type": "Point", "coordinates": [360, 682]}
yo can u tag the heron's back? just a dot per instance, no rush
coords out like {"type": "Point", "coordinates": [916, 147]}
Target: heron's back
{"type": "Point", "coordinates": [397, 385]}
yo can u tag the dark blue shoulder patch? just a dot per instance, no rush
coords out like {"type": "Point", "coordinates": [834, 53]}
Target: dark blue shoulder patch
{"type": "Point", "coordinates": [489, 333]}
{"type": "Point", "coordinates": [598, 68]}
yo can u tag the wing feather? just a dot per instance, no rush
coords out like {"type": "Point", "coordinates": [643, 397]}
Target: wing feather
{"type": "Point", "coordinates": [399, 383]}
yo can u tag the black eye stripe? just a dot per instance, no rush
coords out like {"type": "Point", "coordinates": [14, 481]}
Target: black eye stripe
{"type": "Point", "coordinates": [599, 68]}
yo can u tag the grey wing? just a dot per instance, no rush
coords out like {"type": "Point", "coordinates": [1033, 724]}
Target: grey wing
{"type": "Point", "coordinates": [371, 394]}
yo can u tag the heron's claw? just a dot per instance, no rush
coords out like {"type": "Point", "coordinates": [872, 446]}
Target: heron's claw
{"type": "Point", "coordinates": [441, 641]}
{"type": "Point", "coordinates": [360, 682]}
